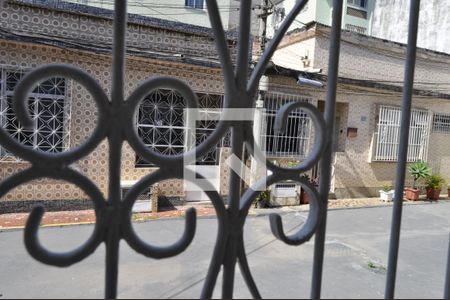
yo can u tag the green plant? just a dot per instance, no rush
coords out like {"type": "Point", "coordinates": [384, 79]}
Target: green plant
{"type": "Point", "coordinates": [371, 265]}
{"type": "Point", "coordinates": [291, 164]}
{"type": "Point", "coordinates": [387, 188]}
{"type": "Point", "coordinates": [419, 170]}
{"type": "Point", "coordinates": [435, 181]}
{"type": "Point", "coordinates": [262, 197]}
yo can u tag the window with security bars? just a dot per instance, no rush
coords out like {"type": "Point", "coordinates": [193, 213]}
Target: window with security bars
{"type": "Point", "coordinates": [441, 123]}
{"type": "Point", "coordinates": [49, 109]}
{"type": "Point", "coordinates": [294, 141]}
{"type": "Point", "coordinates": [388, 134]}
{"type": "Point", "coordinates": [194, 3]}
{"type": "Point", "coordinates": [161, 124]}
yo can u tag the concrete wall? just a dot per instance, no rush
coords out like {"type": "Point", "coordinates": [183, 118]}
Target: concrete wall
{"type": "Point", "coordinates": [372, 59]}
{"type": "Point", "coordinates": [391, 22]}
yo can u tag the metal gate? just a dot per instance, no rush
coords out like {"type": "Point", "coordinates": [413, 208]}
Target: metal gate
{"type": "Point", "coordinates": [113, 214]}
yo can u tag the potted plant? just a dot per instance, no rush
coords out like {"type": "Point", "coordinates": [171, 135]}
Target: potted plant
{"type": "Point", "coordinates": [387, 193]}
{"type": "Point", "coordinates": [418, 170]}
{"type": "Point", "coordinates": [304, 195]}
{"type": "Point", "coordinates": [434, 184]}
{"type": "Point", "coordinates": [262, 200]}
{"type": "Point", "coordinates": [304, 199]}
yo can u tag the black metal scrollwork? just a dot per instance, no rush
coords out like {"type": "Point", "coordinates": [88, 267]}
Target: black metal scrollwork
{"type": "Point", "coordinates": [116, 123]}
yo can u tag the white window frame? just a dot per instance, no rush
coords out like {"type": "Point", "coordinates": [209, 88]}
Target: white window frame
{"type": "Point", "coordinates": [44, 137]}
{"type": "Point", "coordinates": [388, 134]}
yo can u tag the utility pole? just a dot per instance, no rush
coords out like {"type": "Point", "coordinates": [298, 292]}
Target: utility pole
{"type": "Point", "coordinates": [266, 10]}
{"type": "Point", "coordinates": [258, 169]}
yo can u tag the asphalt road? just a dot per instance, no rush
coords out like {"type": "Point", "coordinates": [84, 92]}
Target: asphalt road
{"type": "Point", "coordinates": [356, 257]}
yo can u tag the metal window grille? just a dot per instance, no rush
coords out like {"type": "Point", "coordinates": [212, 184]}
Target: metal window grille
{"type": "Point", "coordinates": [356, 13]}
{"type": "Point", "coordinates": [355, 28]}
{"type": "Point", "coordinates": [161, 124]}
{"type": "Point", "coordinates": [294, 142]}
{"type": "Point", "coordinates": [49, 108]}
{"type": "Point", "coordinates": [441, 123]}
{"type": "Point", "coordinates": [388, 134]}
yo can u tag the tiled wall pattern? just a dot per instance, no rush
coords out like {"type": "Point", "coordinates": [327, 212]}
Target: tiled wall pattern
{"type": "Point", "coordinates": [138, 69]}
{"type": "Point", "coordinates": [93, 32]}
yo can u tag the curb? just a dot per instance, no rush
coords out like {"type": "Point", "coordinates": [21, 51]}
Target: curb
{"type": "Point", "coordinates": [251, 213]}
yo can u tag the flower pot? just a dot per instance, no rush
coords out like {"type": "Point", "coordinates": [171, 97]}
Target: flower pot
{"type": "Point", "coordinates": [412, 194]}
{"type": "Point", "coordinates": [304, 199]}
{"type": "Point", "coordinates": [433, 194]}
{"type": "Point", "coordinates": [386, 196]}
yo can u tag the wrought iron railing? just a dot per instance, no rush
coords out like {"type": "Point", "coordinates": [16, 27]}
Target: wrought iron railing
{"type": "Point", "coordinates": [116, 123]}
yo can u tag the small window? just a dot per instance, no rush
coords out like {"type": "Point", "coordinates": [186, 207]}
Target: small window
{"type": "Point", "coordinates": [194, 4]}
{"type": "Point", "coordinates": [358, 3]}
{"type": "Point", "coordinates": [441, 123]}
{"type": "Point", "coordinates": [356, 13]}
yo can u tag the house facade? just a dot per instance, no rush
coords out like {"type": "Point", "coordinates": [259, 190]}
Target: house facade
{"type": "Point", "coordinates": [375, 18]}
{"type": "Point", "coordinates": [357, 15]}
{"type": "Point", "coordinates": [63, 111]}
{"type": "Point", "coordinates": [368, 104]}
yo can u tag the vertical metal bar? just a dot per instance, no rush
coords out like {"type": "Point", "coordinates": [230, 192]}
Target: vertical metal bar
{"type": "Point", "coordinates": [447, 275]}
{"type": "Point", "coordinates": [403, 149]}
{"type": "Point", "coordinates": [115, 148]}
{"type": "Point", "coordinates": [325, 163]}
{"type": "Point", "coordinates": [243, 53]}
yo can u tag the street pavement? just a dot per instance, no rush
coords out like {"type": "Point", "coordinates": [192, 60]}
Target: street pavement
{"type": "Point", "coordinates": [355, 259]}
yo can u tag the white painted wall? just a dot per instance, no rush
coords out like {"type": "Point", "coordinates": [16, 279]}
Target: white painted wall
{"type": "Point", "coordinates": [390, 21]}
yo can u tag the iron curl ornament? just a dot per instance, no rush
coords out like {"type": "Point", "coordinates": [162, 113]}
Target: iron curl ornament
{"type": "Point", "coordinates": [116, 124]}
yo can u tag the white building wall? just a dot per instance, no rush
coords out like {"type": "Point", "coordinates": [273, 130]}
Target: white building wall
{"type": "Point", "coordinates": [390, 21]}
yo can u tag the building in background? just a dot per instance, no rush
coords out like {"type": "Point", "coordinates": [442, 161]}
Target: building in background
{"type": "Point", "coordinates": [64, 113]}
{"type": "Point", "coordinates": [385, 19]}
{"type": "Point", "coordinates": [357, 15]}
{"type": "Point", "coordinates": [37, 33]}
{"type": "Point", "coordinates": [192, 12]}
{"type": "Point", "coordinates": [368, 103]}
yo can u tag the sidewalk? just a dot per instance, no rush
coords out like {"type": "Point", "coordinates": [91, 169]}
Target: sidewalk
{"type": "Point", "coordinates": [77, 217]}
{"type": "Point", "coordinates": [64, 218]}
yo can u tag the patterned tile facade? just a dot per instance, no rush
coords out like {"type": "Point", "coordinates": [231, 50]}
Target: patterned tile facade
{"type": "Point", "coordinates": [27, 55]}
